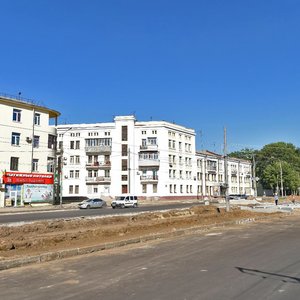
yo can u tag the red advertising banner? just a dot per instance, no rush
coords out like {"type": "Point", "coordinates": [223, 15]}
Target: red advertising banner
{"type": "Point", "coordinates": [20, 178]}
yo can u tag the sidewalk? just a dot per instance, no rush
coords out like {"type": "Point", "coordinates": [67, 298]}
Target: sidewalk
{"type": "Point", "coordinates": [33, 208]}
{"type": "Point", "coordinates": [74, 205]}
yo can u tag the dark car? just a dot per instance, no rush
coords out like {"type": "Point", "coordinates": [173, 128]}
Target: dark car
{"type": "Point", "coordinates": [92, 203]}
{"type": "Point", "coordinates": [238, 196]}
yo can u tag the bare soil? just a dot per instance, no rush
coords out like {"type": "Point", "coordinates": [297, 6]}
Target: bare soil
{"type": "Point", "coordinates": [46, 236]}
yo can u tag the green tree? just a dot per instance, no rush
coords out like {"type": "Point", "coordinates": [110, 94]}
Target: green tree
{"type": "Point", "coordinates": [274, 161]}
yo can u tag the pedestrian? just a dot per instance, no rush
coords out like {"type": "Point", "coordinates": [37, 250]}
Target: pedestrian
{"type": "Point", "coordinates": [276, 199]}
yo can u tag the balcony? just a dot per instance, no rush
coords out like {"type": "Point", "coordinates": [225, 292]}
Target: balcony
{"type": "Point", "coordinates": [98, 165]}
{"type": "Point", "coordinates": [148, 148]}
{"type": "Point", "coordinates": [99, 179]}
{"type": "Point", "coordinates": [98, 149]}
{"type": "Point", "coordinates": [149, 162]}
{"type": "Point", "coordinates": [212, 169]}
{"type": "Point", "coordinates": [149, 178]}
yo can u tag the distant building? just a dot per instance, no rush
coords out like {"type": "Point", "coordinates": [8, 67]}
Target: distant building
{"type": "Point", "coordinates": [27, 147]}
{"type": "Point", "coordinates": [153, 159]}
{"type": "Point", "coordinates": [211, 175]}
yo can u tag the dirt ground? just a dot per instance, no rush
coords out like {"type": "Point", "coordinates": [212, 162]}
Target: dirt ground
{"type": "Point", "coordinates": [46, 236]}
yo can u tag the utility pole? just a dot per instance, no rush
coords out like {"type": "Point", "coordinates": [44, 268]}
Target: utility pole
{"type": "Point", "coordinates": [32, 140]}
{"type": "Point", "coordinates": [254, 176]}
{"type": "Point", "coordinates": [281, 182]}
{"type": "Point", "coordinates": [226, 172]}
{"type": "Point", "coordinates": [129, 171]}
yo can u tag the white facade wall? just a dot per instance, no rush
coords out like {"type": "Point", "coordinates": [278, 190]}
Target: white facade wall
{"type": "Point", "coordinates": [211, 175]}
{"type": "Point", "coordinates": [144, 176]}
{"type": "Point", "coordinates": [153, 159]}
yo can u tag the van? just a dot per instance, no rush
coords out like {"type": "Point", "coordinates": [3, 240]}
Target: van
{"type": "Point", "coordinates": [125, 201]}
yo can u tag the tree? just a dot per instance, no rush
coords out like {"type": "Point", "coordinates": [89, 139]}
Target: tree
{"type": "Point", "coordinates": [274, 161]}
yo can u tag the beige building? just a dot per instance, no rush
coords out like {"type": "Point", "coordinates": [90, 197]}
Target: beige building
{"type": "Point", "coordinates": [27, 147]}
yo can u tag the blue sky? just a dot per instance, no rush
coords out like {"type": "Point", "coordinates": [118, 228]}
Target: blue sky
{"type": "Point", "coordinates": [204, 64]}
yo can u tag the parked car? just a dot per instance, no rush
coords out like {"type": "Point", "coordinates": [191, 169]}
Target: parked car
{"type": "Point", "coordinates": [125, 201]}
{"type": "Point", "coordinates": [238, 196]}
{"type": "Point", "coordinates": [92, 203]}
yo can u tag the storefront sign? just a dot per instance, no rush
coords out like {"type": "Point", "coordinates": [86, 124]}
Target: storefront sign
{"type": "Point", "coordinates": [20, 178]}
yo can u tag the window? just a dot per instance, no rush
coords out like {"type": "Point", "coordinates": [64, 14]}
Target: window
{"type": "Point", "coordinates": [152, 141]}
{"type": "Point", "coordinates": [77, 145]}
{"type": "Point", "coordinates": [50, 164]}
{"type": "Point", "coordinates": [76, 173]}
{"type": "Point", "coordinates": [76, 189]}
{"type": "Point", "coordinates": [36, 141]}
{"type": "Point", "coordinates": [144, 188]}
{"type": "Point", "coordinates": [14, 163]}
{"type": "Point", "coordinates": [51, 141]}
{"type": "Point", "coordinates": [72, 145]}
{"type": "Point", "coordinates": [70, 189]}
{"type": "Point", "coordinates": [17, 115]}
{"type": "Point", "coordinates": [124, 164]}
{"type": "Point", "coordinates": [124, 133]}
{"type": "Point", "coordinates": [77, 159]}
{"type": "Point", "coordinates": [71, 174]}
{"type": "Point", "coordinates": [72, 160]}
{"type": "Point", "coordinates": [15, 139]}
{"type": "Point", "coordinates": [124, 150]}
{"type": "Point", "coordinates": [60, 144]}
{"type": "Point", "coordinates": [37, 119]}
{"type": "Point", "coordinates": [154, 188]}
{"type": "Point", "coordinates": [35, 165]}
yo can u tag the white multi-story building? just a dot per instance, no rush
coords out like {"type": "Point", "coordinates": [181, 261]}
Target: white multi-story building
{"type": "Point", "coordinates": [27, 147]}
{"type": "Point", "coordinates": [211, 175]}
{"type": "Point", "coordinates": [154, 159]}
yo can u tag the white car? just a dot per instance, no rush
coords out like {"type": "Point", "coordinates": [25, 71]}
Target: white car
{"type": "Point", "coordinates": [124, 201]}
{"type": "Point", "coordinates": [92, 203]}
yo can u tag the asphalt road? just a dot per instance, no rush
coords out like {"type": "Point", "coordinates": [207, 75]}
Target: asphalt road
{"type": "Point", "coordinates": [255, 261]}
{"type": "Point", "coordinates": [75, 213]}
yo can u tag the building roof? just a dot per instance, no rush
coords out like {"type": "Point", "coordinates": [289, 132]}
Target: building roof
{"type": "Point", "coordinates": [27, 104]}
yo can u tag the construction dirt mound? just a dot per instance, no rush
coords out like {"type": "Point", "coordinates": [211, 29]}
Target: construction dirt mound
{"type": "Point", "coordinates": [40, 237]}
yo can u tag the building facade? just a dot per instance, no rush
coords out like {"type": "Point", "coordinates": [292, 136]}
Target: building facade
{"type": "Point", "coordinates": [154, 159]}
{"type": "Point", "coordinates": [211, 175]}
{"type": "Point", "coordinates": [28, 154]}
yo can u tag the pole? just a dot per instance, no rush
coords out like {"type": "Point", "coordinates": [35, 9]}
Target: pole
{"type": "Point", "coordinates": [61, 175]}
{"type": "Point", "coordinates": [281, 182]}
{"type": "Point", "coordinates": [254, 176]}
{"type": "Point", "coordinates": [32, 141]}
{"type": "Point", "coordinates": [226, 172]}
{"type": "Point", "coordinates": [61, 168]}
{"type": "Point", "coordinates": [129, 171]}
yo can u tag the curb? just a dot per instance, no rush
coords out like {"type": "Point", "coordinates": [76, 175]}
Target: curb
{"type": "Point", "coordinates": [61, 254]}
